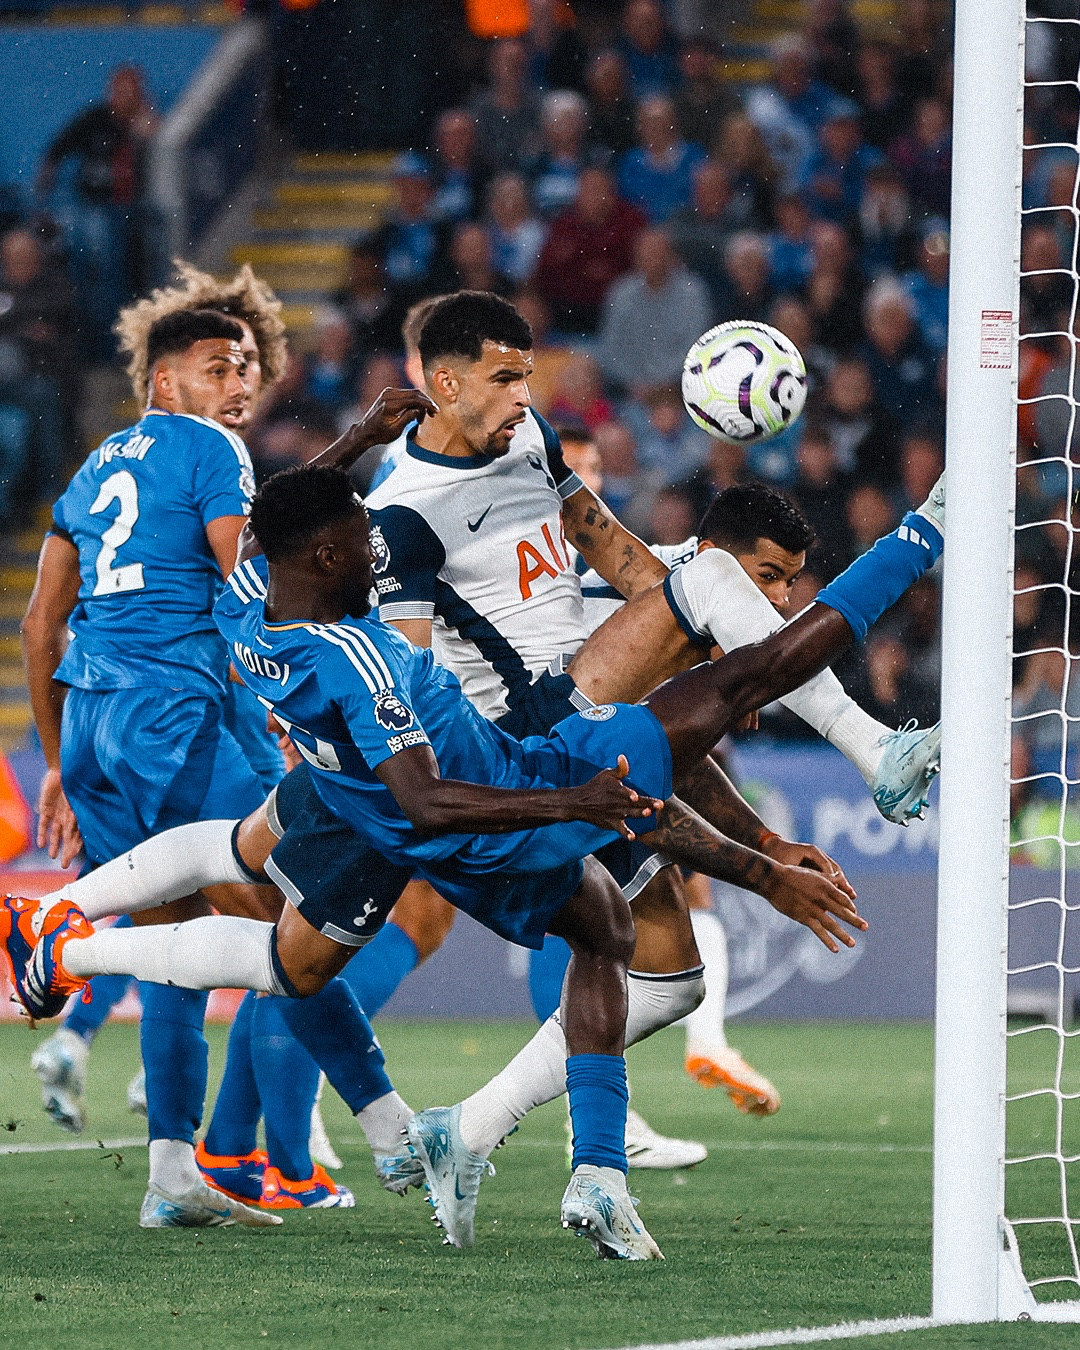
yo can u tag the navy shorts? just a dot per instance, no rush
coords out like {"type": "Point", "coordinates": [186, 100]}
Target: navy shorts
{"type": "Point", "coordinates": [337, 881]}
{"type": "Point", "coordinates": [135, 762]}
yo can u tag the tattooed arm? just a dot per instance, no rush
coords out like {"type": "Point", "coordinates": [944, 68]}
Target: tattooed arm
{"type": "Point", "coordinates": [619, 556]}
{"type": "Point", "coordinates": [802, 894]}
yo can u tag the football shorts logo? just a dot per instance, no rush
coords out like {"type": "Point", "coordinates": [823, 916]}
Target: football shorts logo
{"type": "Point", "coordinates": [391, 713]}
{"type": "Point", "coordinates": [380, 551]}
{"type": "Point", "coordinates": [601, 714]}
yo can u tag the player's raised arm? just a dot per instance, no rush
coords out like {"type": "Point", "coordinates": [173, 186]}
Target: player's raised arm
{"type": "Point", "coordinates": [44, 641]}
{"type": "Point", "coordinates": [619, 556]}
{"type": "Point", "coordinates": [436, 805]}
{"type": "Point", "coordinates": [383, 422]}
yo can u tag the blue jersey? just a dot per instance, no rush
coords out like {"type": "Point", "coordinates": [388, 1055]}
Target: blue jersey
{"type": "Point", "coordinates": [353, 694]}
{"type": "Point", "coordinates": [137, 512]}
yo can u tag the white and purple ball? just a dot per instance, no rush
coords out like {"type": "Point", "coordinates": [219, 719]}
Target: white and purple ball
{"type": "Point", "coordinates": [744, 381]}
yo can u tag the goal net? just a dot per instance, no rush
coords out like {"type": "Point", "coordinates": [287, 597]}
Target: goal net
{"type": "Point", "coordinates": [1007, 1090]}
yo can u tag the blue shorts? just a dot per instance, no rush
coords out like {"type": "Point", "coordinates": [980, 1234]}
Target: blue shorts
{"type": "Point", "coordinates": [135, 762]}
{"type": "Point", "coordinates": [513, 884]}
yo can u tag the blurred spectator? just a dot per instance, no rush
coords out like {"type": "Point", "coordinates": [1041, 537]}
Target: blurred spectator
{"type": "Point", "coordinates": [744, 289]}
{"type": "Point", "coordinates": [457, 180]}
{"type": "Point", "coordinates": [725, 467]}
{"type": "Point", "coordinates": [741, 149]}
{"type": "Point", "coordinates": [517, 235]}
{"type": "Point", "coordinates": [578, 394]}
{"type": "Point", "coordinates": [885, 103]}
{"type": "Point", "coordinates": [471, 265]}
{"type": "Point", "coordinates": [508, 111]}
{"type": "Point", "coordinates": [670, 448]}
{"type": "Point", "coordinates": [886, 692]}
{"type": "Point", "coordinates": [701, 231]}
{"type": "Point", "coordinates": [924, 47]}
{"type": "Point", "coordinates": [789, 109]}
{"type": "Point", "coordinates": [672, 517]}
{"type": "Point", "coordinates": [819, 487]}
{"type": "Point", "coordinates": [869, 515]}
{"type": "Point", "coordinates": [290, 427]}
{"type": "Point", "coordinates": [37, 311]}
{"type": "Point", "coordinates": [618, 458]}
{"type": "Point", "coordinates": [921, 462]}
{"type": "Point", "coordinates": [648, 49]}
{"type": "Point", "coordinates": [834, 39]}
{"type": "Point", "coordinates": [549, 357]}
{"type": "Point", "coordinates": [924, 157]}
{"type": "Point", "coordinates": [834, 293]}
{"type": "Point", "coordinates": [557, 55]}
{"type": "Point", "coordinates": [862, 435]}
{"type": "Point", "coordinates": [381, 372]}
{"type": "Point", "coordinates": [412, 243]}
{"type": "Point", "coordinates": [588, 248]}
{"type": "Point", "coordinates": [556, 174]}
{"type": "Point", "coordinates": [928, 286]}
{"type": "Point", "coordinates": [835, 177]}
{"type": "Point", "coordinates": [329, 371]}
{"type": "Point", "coordinates": [1047, 286]}
{"type": "Point", "coordinates": [791, 254]}
{"type": "Point", "coordinates": [374, 309]}
{"type": "Point", "coordinates": [901, 365]}
{"type": "Point", "coordinates": [658, 174]}
{"type": "Point", "coordinates": [652, 317]}
{"type": "Point", "coordinates": [1061, 192]}
{"type": "Point", "coordinates": [885, 222]}
{"type": "Point", "coordinates": [703, 99]}
{"type": "Point", "coordinates": [582, 456]}
{"type": "Point", "coordinates": [1056, 431]}
{"type": "Point", "coordinates": [115, 248]}
{"type": "Point", "coordinates": [611, 109]}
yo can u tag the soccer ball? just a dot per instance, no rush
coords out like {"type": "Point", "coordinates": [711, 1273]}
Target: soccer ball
{"type": "Point", "coordinates": [743, 381]}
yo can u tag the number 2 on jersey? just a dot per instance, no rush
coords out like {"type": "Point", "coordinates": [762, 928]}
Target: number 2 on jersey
{"type": "Point", "coordinates": [111, 580]}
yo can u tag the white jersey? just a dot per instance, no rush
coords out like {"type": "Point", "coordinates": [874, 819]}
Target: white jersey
{"type": "Point", "coordinates": [476, 545]}
{"type": "Point", "coordinates": [601, 600]}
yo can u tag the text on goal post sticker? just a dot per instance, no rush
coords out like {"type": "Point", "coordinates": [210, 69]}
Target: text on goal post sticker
{"type": "Point", "coordinates": [995, 340]}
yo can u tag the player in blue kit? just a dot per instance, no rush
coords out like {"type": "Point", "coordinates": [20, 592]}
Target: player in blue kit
{"type": "Point", "coordinates": [383, 690]}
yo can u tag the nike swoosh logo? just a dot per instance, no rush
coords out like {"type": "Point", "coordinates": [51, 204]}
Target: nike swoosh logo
{"type": "Point", "coordinates": [475, 525]}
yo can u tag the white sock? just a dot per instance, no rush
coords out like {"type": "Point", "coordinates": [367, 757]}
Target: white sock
{"type": "Point", "coordinates": [214, 953]}
{"type": "Point", "coordinates": [172, 1166]}
{"type": "Point", "coordinates": [537, 1073]}
{"type": "Point", "coordinates": [383, 1123]}
{"type": "Point", "coordinates": [165, 868]}
{"type": "Point", "coordinates": [705, 1025]}
{"type": "Point", "coordinates": [718, 599]}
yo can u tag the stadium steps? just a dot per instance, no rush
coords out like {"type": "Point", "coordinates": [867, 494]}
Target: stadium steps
{"type": "Point", "coordinates": [305, 222]}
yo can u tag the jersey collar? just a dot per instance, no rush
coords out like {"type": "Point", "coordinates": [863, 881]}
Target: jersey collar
{"type": "Point", "coordinates": [447, 461]}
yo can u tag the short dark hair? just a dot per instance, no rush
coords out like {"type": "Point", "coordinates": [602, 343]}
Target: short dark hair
{"type": "Point", "coordinates": [575, 432]}
{"type": "Point", "coordinates": [177, 332]}
{"type": "Point", "coordinates": [747, 512]}
{"type": "Point", "coordinates": [461, 323]}
{"type": "Point", "coordinates": [293, 506]}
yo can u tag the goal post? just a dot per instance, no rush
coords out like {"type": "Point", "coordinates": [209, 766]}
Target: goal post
{"type": "Point", "coordinates": [977, 1273]}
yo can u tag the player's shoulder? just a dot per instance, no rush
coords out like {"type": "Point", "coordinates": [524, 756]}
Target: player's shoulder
{"type": "Point", "coordinates": [204, 431]}
{"type": "Point", "coordinates": [367, 652]}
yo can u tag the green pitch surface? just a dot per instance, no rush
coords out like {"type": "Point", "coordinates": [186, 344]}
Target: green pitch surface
{"type": "Point", "coordinates": [819, 1215]}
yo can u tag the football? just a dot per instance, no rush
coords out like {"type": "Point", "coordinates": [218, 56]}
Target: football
{"type": "Point", "coordinates": [743, 381]}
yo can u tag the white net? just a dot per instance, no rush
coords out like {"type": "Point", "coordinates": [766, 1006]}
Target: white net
{"type": "Point", "coordinates": [1042, 1162]}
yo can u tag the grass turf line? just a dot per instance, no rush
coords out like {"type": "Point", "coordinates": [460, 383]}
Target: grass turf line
{"type": "Point", "coordinates": [805, 1233]}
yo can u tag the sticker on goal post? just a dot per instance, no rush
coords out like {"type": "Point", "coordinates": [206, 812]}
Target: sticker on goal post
{"type": "Point", "coordinates": [995, 340]}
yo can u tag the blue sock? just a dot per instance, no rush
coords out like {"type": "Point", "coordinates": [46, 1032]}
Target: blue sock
{"type": "Point", "coordinates": [174, 1054]}
{"type": "Point", "coordinates": [377, 969]}
{"type": "Point", "coordinates": [87, 1019]}
{"type": "Point", "coordinates": [331, 1025]}
{"type": "Point", "coordinates": [234, 1125]}
{"type": "Point", "coordinates": [546, 971]}
{"type": "Point", "coordinates": [288, 1079]}
{"type": "Point", "coordinates": [880, 577]}
{"type": "Point", "coordinates": [596, 1086]}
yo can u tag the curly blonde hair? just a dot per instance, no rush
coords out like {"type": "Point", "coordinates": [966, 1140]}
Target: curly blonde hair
{"type": "Point", "coordinates": [243, 297]}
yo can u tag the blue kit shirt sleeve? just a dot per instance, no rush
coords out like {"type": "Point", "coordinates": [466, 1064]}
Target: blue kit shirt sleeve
{"type": "Point", "coordinates": [223, 483]}
{"type": "Point", "coordinates": [372, 695]}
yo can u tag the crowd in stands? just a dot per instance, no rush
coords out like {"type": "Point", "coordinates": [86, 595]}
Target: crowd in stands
{"type": "Point", "coordinates": [627, 197]}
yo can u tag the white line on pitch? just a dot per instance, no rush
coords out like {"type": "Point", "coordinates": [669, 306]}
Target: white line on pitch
{"type": "Point", "coordinates": [74, 1146]}
{"type": "Point", "coordinates": [761, 1340]}
{"type": "Point", "coordinates": [766, 1146]}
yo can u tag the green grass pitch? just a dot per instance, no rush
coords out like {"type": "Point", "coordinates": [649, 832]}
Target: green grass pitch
{"type": "Point", "coordinates": [817, 1216]}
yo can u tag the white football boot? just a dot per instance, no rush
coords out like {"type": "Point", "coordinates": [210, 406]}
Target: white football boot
{"type": "Point", "coordinates": [911, 762]}
{"type": "Point", "coordinates": [200, 1207]}
{"type": "Point", "coordinates": [60, 1063]}
{"type": "Point", "coordinates": [646, 1148]}
{"type": "Point", "coordinates": [452, 1171]}
{"type": "Point", "coordinates": [597, 1206]}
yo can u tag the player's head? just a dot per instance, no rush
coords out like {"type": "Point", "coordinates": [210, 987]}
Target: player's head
{"type": "Point", "coordinates": [196, 364]}
{"type": "Point", "coordinates": [476, 351]}
{"type": "Point", "coordinates": [765, 531]}
{"type": "Point", "coordinates": [311, 524]}
{"type": "Point", "coordinates": [243, 297]}
{"type": "Point", "coordinates": [582, 455]}
{"type": "Point", "coordinates": [411, 326]}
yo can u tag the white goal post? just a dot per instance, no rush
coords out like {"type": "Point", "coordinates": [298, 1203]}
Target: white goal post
{"type": "Point", "coordinates": [978, 1275]}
